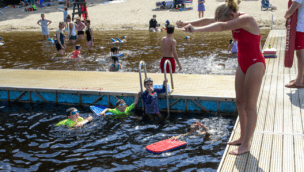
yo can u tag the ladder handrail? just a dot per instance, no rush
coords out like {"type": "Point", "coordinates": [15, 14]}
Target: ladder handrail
{"type": "Point", "coordinates": [139, 69]}
{"type": "Point", "coordinates": [172, 86]}
{"type": "Point", "coordinates": [140, 80]}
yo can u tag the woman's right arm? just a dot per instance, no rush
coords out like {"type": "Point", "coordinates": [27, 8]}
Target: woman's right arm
{"type": "Point", "coordinates": [196, 23]}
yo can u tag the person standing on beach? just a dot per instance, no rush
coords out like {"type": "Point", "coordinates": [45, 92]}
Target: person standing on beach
{"type": "Point", "coordinates": [44, 26]}
{"type": "Point", "coordinates": [168, 48]}
{"type": "Point", "coordinates": [201, 8]}
{"type": "Point", "coordinates": [65, 14]}
{"type": "Point", "coordinates": [60, 45]}
{"type": "Point", "coordinates": [71, 30]}
{"type": "Point", "coordinates": [251, 63]}
{"type": "Point", "coordinates": [299, 46]}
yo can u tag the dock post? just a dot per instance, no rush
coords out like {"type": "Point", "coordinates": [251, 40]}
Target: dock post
{"type": "Point", "coordinates": [271, 21]}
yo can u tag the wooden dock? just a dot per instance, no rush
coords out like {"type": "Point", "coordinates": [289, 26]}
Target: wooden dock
{"type": "Point", "coordinates": [277, 144]}
{"type": "Point", "coordinates": [192, 93]}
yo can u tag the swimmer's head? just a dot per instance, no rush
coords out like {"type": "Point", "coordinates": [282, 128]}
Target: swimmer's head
{"type": "Point", "coordinates": [192, 128]}
{"type": "Point", "coordinates": [148, 83]}
{"type": "Point", "coordinates": [121, 105]}
{"type": "Point", "coordinates": [72, 113]}
{"type": "Point", "coordinates": [114, 59]}
{"type": "Point", "coordinates": [224, 12]}
{"type": "Point", "coordinates": [78, 47]}
{"type": "Point", "coordinates": [170, 29]}
{"type": "Point", "coordinates": [114, 50]}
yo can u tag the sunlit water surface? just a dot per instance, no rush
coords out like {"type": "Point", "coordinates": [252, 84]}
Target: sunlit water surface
{"type": "Point", "coordinates": [30, 142]}
{"type": "Point", "coordinates": [200, 54]}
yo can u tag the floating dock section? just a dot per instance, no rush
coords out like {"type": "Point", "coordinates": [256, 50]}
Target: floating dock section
{"type": "Point", "coordinates": [277, 144]}
{"type": "Point", "coordinates": [192, 93]}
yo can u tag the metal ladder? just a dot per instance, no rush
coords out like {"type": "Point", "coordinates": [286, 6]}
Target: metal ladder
{"type": "Point", "coordinates": [142, 63]}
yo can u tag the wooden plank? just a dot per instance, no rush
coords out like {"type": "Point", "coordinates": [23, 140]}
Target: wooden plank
{"type": "Point", "coordinates": [299, 153]}
{"type": "Point", "coordinates": [266, 149]}
{"type": "Point", "coordinates": [276, 155]}
{"type": "Point", "coordinates": [288, 148]}
{"type": "Point", "coordinates": [277, 147]}
{"type": "Point", "coordinates": [253, 158]}
{"type": "Point", "coordinates": [298, 129]}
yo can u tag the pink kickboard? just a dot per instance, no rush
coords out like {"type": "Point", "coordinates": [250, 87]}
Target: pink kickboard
{"type": "Point", "coordinates": [165, 145]}
{"type": "Point", "coordinates": [290, 37]}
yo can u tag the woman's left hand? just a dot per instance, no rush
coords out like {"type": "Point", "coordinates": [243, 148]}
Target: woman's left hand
{"type": "Point", "coordinates": [189, 28]}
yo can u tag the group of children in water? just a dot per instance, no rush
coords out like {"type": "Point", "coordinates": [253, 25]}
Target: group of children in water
{"type": "Point", "coordinates": [122, 110]}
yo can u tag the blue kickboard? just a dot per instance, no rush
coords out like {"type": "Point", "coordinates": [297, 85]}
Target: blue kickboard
{"type": "Point", "coordinates": [161, 86]}
{"type": "Point", "coordinates": [99, 109]}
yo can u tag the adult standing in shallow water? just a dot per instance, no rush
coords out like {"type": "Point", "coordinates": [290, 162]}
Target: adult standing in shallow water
{"type": "Point", "coordinates": [60, 45]}
{"type": "Point", "coordinates": [71, 30]}
{"type": "Point", "coordinates": [44, 26]}
{"type": "Point", "coordinates": [80, 27]}
{"type": "Point", "coordinates": [89, 33]}
{"type": "Point", "coordinates": [251, 68]}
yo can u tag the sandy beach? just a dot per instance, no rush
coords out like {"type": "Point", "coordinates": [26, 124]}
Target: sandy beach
{"type": "Point", "coordinates": [133, 14]}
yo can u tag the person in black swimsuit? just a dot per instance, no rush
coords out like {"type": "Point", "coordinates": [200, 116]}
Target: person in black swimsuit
{"type": "Point", "coordinates": [60, 45]}
{"type": "Point", "coordinates": [89, 33]}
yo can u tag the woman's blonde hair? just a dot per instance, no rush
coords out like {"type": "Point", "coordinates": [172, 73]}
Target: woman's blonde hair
{"type": "Point", "coordinates": [225, 8]}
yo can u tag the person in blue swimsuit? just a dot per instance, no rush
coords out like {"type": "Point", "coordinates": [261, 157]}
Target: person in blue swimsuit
{"type": "Point", "coordinates": [201, 8]}
{"type": "Point", "coordinates": [115, 66]}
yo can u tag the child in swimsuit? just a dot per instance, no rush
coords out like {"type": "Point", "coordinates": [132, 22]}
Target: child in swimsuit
{"type": "Point", "coordinates": [122, 109]}
{"type": "Point", "coordinates": [76, 53]}
{"type": "Point", "coordinates": [73, 119]}
{"type": "Point", "coordinates": [150, 99]}
{"type": "Point", "coordinates": [114, 51]}
{"type": "Point", "coordinates": [89, 33]}
{"type": "Point", "coordinates": [233, 47]}
{"type": "Point", "coordinates": [115, 66]}
{"type": "Point", "coordinates": [193, 130]}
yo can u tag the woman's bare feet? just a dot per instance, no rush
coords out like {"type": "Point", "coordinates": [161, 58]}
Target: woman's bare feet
{"type": "Point", "coordinates": [241, 150]}
{"type": "Point", "coordinates": [235, 142]}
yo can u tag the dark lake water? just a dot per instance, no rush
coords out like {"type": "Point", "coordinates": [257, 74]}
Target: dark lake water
{"type": "Point", "coordinates": [200, 54]}
{"type": "Point", "coordinates": [30, 142]}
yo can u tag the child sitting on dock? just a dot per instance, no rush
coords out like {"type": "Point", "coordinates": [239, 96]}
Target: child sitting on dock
{"type": "Point", "coordinates": [193, 130]}
{"type": "Point", "coordinates": [74, 120]}
{"type": "Point", "coordinates": [76, 53]}
{"type": "Point", "coordinates": [122, 109]}
{"type": "Point", "coordinates": [115, 66]}
{"type": "Point", "coordinates": [149, 97]}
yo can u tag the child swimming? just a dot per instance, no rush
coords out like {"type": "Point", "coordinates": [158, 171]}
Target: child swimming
{"type": "Point", "coordinates": [115, 66]}
{"type": "Point", "coordinates": [76, 53]}
{"type": "Point", "coordinates": [122, 109]}
{"type": "Point", "coordinates": [114, 51]}
{"type": "Point", "coordinates": [193, 130]}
